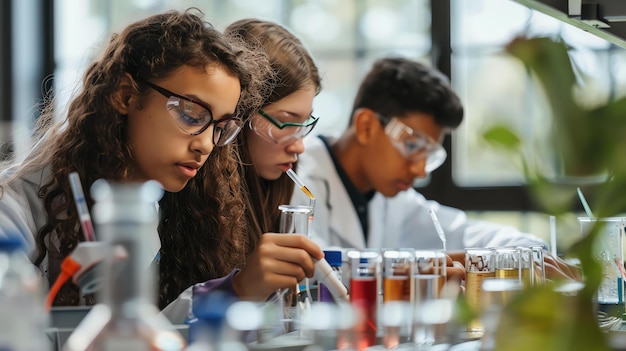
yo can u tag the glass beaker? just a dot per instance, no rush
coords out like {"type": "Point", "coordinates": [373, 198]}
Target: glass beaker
{"type": "Point", "coordinates": [507, 264]}
{"type": "Point", "coordinates": [429, 278]}
{"type": "Point", "coordinates": [294, 219]}
{"type": "Point", "coordinates": [479, 265]}
{"type": "Point", "coordinates": [496, 293]}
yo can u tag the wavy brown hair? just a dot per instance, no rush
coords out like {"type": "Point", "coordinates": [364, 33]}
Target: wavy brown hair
{"type": "Point", "coordinates": [293, 69]}
{"type": "Point", "coordinates": [202, 236]}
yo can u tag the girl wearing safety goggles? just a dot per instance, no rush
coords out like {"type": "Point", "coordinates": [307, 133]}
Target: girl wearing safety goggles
{"type": "Point", "coordinates": [269, 145]}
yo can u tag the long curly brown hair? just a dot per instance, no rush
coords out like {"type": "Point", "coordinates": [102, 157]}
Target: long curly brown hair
{"type": "Point", "coordinates": [293, 69]}
{"type": "Point", "coordinates": [202, 236]}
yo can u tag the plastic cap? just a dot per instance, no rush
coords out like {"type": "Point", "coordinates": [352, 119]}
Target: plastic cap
{"type": "Point", "coordinates": [11, 243]}
{"type": "Point", "coordinates": [333, 257]}
{"type": "Point", "coordinates": [211, 308]}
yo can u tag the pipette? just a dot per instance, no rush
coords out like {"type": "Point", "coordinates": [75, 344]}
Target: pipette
{"type": "Point", "coordinates": [438, 228]}
{"type": "Point", "coordinates": [294, 177]}
{"type": "Point", "coordinates": [583, 201]}
{"type": "Point", "coordinates": [81, 207]}
{"type": "Point", "coordinates": [299, 183]}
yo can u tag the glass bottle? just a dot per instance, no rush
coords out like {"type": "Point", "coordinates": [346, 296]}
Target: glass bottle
{"type": "Point", "coordinates": [126, 317]}
{"type": "Point", "coordinates": [23, 319]}
{"type": "Point", "coordinates": [206, 328]}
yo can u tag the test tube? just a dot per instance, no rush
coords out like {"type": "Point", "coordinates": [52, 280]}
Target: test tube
{"type": "Point", "coordinates": [293, 220]}
{"type": "Point", "coordinates": [507, 265]}
{"type": "Point", "coordinates": [539, 278]}
{"type": "Point", "coordinates": [526, 266]}
{"type": "Point", "coordinates": [429, 279]}
{"type": "Point", "coordinates": [364, 287]}
{"type": "Point", "coordinates": [397, 293]}
{"type": "Point", "coordinates": [81, 206]}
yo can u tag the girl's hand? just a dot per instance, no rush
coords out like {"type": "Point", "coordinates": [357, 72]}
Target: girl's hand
{"type": "Point", "coordinates": [279, 261]}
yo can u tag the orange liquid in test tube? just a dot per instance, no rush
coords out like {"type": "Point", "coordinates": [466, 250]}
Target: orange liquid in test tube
{"type": "Point", "coordinates": [396, 288]}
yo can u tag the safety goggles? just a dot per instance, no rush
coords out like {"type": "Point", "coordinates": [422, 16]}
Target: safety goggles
{"type": "Point", "coordinates": [194, 117]}
{"type": "Point", "coordinates": [277, 132]}
{"type": "Point", "coordinates": [414, 145]}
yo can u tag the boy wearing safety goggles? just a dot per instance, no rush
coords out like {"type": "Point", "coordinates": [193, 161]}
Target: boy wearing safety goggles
{"type": "Point", "coordinates": [363, 180]}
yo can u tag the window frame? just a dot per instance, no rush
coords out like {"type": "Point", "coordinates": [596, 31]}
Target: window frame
{"type": "Point", "coordinates": [441, 186]}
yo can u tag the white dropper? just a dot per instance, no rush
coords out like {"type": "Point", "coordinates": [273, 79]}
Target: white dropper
{"type": "Point", "coordinates": [438, 228]}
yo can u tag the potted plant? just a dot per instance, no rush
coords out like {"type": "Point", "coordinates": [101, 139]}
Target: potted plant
{"type": "Point", "coordinates": [586, 144]}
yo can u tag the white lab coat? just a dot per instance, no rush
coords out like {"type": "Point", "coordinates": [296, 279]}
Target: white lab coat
{"type": "Point", "coordinates": [401, 221]}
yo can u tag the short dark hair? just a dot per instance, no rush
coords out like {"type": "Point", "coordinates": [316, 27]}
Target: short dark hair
{"type": "Point", "coordinates": [397, 86]}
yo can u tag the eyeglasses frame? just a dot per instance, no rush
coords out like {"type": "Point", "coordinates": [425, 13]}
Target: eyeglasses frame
{"type": "Point", "coordinates": [168, 94]}
{"type": "Point", "coordinates": [282, 125]}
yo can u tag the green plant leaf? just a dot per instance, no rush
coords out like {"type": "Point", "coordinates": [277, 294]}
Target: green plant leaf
{"type": "Point", "coordinates": [502, 136]}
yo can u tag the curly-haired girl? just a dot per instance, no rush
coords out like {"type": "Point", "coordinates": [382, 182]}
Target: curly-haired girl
{"type": "Point", "coordinates": [162, 102]}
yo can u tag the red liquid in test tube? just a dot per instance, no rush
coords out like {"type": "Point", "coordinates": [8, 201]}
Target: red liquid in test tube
{"type": "Point", "coordinates": [364, 297]}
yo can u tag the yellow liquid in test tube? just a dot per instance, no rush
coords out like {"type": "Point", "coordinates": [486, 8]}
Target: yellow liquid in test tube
{"type": "Point", "coordinates": [526, 277]}
{"type": "Point", "coordinates": [473, 291]}
{"type": "Point", "coordinates": [507, 273]}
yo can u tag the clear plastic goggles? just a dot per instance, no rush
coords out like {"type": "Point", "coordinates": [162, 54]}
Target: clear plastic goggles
{"type": "Point", "coordinates": [277, 132]}
{"type": "Point", "coordinates": [415, 145]}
